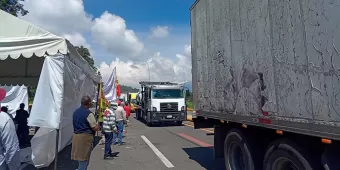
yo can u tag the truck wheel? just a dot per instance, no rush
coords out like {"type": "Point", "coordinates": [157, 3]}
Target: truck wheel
{"type": "Point", "coordinates": [238, 152]}
{"type": "Point", "coordinates": [284, 154]}
{"type": "Point", "coordinates": [329, 158]}
{"type": "Point", "coordinates": [138, 115]}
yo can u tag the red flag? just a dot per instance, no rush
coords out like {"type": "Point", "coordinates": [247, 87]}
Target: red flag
{"type": "Point", "coordinates": [2, 94]}
{"type": "Point", "coordinates": [118, 89]}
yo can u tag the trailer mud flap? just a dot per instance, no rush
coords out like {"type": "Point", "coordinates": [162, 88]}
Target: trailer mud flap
{"type": "Point", "coordinates": [200, 122]}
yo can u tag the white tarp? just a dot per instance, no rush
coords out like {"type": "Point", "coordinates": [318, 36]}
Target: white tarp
{"type": "Point", "coordinates": [71, 84]}
{"type": "Point", "coordinates": [109, 87]}
{"type": "Point", "coordinates": [15, 95]}
{"type": "Point", "coordinates": [30, 55]}
{"type": "Point", "coordinates": [46, 108]}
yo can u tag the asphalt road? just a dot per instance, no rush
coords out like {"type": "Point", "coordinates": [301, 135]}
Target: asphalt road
{"type": "Point", "coordinates": [160, 148]}
{"type": "Point", "coordinates": [152, 148]}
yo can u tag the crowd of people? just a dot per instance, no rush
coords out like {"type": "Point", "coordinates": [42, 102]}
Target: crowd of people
{"type": "Point", "coordinates": [85, 126]}
{"type": "Point", "coordinates": [14, 133]}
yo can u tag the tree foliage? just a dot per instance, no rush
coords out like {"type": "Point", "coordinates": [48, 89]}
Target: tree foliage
{"type": "Point", "coordinates": [128, 89]}
{"type": "Point", "coordinates": [85, 53]}
{"type": "Point", "coordinates": [13, 7]}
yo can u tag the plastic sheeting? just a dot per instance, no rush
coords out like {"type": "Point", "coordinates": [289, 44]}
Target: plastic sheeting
{"type": "Point", "coordinates": [15, 95]}
{"type": "Point", "coordinates": [64, 83]}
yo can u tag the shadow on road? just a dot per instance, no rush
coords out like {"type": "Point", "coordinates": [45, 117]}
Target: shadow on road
{"type": "Point", "coordinates": [162, 124]}
{"type": "Point", "coordinates": [64, 159]}
{"type": "Point", "coordinates": [204, 156]}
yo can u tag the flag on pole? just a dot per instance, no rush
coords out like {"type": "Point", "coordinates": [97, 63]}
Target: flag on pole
{"type": "Point", "coordinates": [109, 88]}
{"type": "Point", "coordinates": [117, 88]}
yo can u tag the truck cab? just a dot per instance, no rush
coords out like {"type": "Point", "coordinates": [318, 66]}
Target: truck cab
{"type": "Point", "coordinates": [162, 102]}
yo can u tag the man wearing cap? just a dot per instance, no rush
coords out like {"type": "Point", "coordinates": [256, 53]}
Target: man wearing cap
{"type": "Point", "coordinates": [9, 144]}
{"type": "Point", "coordinates": [109, 128]}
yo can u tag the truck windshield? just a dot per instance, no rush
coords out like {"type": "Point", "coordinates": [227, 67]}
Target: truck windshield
{"type": "Point", "coordinates": [166, 93]}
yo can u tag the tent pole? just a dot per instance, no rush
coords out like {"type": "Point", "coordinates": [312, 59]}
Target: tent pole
{"type": "Point", "coordinates": [56, 150]}
{"type": "Point", "coordinates": [98, 90]}
{"type": "Point", "coordinates": [97, 110]}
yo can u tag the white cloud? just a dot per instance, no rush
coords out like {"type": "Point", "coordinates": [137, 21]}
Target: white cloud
{"type": "Point", "coordinates": [65, 18]}
{"type": "Point", "coordinates": [77, 39]}
{"type": "Point", "coordinates": [187, 50]}
{"type": "Point", "coordinates": [159, 32]}
{"type": "Point", "coordinates": [161, 69]}
{"type": "Point", "coordinates": [111, 32]}
{"type": "Point", "coordinates": [58, 16]}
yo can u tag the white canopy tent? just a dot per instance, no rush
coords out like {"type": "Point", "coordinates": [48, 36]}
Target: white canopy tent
{"type": "Point", "coordinates": [15, 95]}
{"type": "Point", "coordinates": [30, 55]}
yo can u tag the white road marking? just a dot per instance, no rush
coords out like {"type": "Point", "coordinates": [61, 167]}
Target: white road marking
{"type": "Point", "coordinates": [166, 162]}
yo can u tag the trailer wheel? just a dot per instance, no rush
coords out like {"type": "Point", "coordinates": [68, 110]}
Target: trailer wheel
{"type": "Point", "coordinates": [283, 155]}
{"type": "Point", "coordinates": [238, 153]}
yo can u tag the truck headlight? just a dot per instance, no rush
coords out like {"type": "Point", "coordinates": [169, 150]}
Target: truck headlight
{"type": "Point", "coordinates": [182, 114]}
{"type": "Point", "coordinates": [182, 108]}
{"type": "Point", "coordinates": [154, 109]}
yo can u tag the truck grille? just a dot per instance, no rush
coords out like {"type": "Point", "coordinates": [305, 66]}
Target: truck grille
{"type": "Point", "coordinates": [169, 107]}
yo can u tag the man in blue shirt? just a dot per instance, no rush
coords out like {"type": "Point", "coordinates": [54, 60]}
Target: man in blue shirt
{"type": "Point", "coordinates": [84, 127]}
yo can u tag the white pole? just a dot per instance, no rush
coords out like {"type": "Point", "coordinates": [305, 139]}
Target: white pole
{"type": "Point", "coordinates": [56, 150]}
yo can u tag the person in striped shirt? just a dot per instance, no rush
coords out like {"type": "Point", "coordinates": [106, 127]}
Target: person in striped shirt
{"type": "Point", "coordinates": [109, 127]}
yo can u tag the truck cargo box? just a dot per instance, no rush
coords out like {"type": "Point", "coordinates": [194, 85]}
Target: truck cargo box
{"type": "Point", "coordinates": [272, 63]}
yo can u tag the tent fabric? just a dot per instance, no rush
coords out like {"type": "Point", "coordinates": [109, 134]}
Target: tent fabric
{"type": "Point", "coordinates": [30, 55]}
{"type": "Point", "coordinates": [15, 95]}
{"type": "Point", "coordinates": [20, 38]}
{"type": "Point", "coordinates": [75, 85]}
{"type": "Point", "coordinates": [47, 104]}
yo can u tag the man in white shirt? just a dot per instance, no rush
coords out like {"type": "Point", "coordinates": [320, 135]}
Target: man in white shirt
{"type": "Point", "coordinates": [120, 121]}
{"type": "Point", "coordinates": [9, 144]}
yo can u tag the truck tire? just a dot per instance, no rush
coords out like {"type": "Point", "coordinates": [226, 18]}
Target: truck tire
{"type": "Point", "coordinates": [284, 154]}
{"type": "Point", "coordinates": [148, 120]}
{"type": "Point", "coordinates": [138, 115]}
{"type": "Point", "coordinates": [329, 158]}
{"type": "Point", "coordinates": [239, 153]}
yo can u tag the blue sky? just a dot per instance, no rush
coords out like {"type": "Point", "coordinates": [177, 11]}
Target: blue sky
{"type": "Point", "coordinates": [140, 16]}
{"type": "Point", "coordinates": [124, 30]}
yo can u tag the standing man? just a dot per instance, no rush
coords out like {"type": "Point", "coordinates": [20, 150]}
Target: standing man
{"type": "Point", "coordinates": [84, 127]}
{"type": "Point", "coordinates": [9, 144]}
{"type": "Point", "coordinates": [109, 128]}
{"type": "Point", "coordinates": [127, 110]}
{"type": "Point", "coordinates": [120, 121]}
{"type": "Point", "coordinates": [23, 129]}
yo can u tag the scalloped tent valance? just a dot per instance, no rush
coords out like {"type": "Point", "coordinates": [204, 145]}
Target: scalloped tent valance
{"type": "Point", "coordinates": [23, 47]}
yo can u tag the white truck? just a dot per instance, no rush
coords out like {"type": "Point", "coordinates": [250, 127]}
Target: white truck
{"type": "Point", "coordinates": [161, 102]}
{"type": "Point", "coordinates": [266, 77]}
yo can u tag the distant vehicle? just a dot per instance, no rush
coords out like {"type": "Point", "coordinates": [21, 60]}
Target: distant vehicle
{"type": "Point", "coordinates": [132, 101]}
{"type": "Point", "coordinates": [266, 77]}
{"type": "Point", "coordinates": [123, 97]}
{"type": "Point", "coordinates": [161, 102]}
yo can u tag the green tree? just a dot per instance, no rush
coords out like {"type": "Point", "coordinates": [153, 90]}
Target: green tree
{"type": "Point", "coordinates": [85, 53]}
{"type": "Point", "coordinates": [13, 7]}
